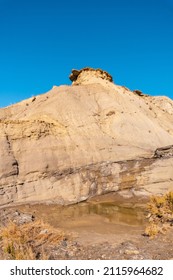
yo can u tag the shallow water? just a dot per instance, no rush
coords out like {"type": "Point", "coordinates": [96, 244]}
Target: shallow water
{"type": "Point", "coordinates": [92, 219]}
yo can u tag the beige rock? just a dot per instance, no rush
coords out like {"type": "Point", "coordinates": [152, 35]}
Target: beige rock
{"type": "Point", "coordinates": [131, 252]}
{"type": "Point", "coordinates": [88, 139]}
{"type": "Point", "coordinates": [87, 74]}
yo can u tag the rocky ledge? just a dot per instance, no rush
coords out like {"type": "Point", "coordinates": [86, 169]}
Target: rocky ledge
{"type": "Point", "coordinates": [164, 152]}
{"type": "Point", "coordinates": [130, 179]}
{"type": "Point", "coordinates": [85, 74]}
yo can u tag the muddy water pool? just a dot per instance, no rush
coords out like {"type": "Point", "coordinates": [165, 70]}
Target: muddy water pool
{"type": "Point", "coordinates": [92, 221]}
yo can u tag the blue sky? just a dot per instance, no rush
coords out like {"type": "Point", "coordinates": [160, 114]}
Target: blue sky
{"type": "Point", "coordinates": [42, 40]}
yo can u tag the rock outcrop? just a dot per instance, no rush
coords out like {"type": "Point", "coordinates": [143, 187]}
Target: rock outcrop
{"type": "Point", "coordinates": [164, 152]}
{"type": "Point", "coordinates": [75, 142]}
{"type": "Point", "coordinates": [88, 74]}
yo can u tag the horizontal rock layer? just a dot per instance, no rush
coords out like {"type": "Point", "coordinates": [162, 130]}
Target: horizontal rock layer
{"type": "Point", "coordinates": [140, 178]}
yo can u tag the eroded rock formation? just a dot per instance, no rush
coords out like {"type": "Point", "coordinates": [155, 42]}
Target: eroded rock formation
{"type": "Point", "coordinates": [164, 152]}
{"type": "Point", "coordinates": [75, 142]}
{"type": "Point", "coordinates": [88, 74]}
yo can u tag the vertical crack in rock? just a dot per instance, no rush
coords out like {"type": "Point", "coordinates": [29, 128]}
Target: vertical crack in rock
{"type": "Point", "coordinates": [15, 162]}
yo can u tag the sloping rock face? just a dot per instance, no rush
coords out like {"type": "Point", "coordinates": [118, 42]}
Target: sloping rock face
{"type": "Point", "coordinates": [88, 139]}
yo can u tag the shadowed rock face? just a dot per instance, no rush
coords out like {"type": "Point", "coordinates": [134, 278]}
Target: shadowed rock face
{"type": "Point", "coordinates": [164, 152]}
{"type": "Point", "coordinates": [75, 142]}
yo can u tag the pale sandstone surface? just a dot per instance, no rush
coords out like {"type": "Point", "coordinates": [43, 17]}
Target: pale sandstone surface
{"type": "Point", "coordinates": [78, 141]}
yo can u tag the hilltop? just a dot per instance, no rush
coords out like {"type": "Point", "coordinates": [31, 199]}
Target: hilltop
{"type": "Point", "coordinates": [80, 141]}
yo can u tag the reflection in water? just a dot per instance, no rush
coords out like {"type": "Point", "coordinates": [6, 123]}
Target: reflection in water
{"type": "Point", "coordinates": [114, 213]}
{"type": "Point", "coordinates": [88, 215]}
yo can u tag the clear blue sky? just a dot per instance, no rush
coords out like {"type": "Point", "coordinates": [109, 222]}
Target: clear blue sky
{"type": "Point", "coordinates": [42, 40]}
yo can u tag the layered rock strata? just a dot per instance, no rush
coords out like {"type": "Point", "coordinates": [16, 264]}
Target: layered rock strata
{"type": "Point", "coordinates": [88, 139]}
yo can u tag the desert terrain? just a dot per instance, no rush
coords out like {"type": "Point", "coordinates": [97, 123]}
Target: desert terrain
{"type": "Point", "coordinates": [85, 144]}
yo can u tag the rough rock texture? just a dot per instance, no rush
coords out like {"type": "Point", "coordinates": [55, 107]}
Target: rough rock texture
{"type": "Point", "coordinates": [87, 74]}
{"type": "Point", "coordinates": [78, 141]}
{"type": "Point", "coordinates": [164, 151]}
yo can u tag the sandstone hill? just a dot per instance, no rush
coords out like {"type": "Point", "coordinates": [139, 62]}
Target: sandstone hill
{"type": "Point", "coordinates": [83, 140]}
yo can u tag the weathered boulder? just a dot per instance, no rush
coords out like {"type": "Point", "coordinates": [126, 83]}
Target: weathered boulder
{"type": "Point", "coordinates": [138, 92]}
